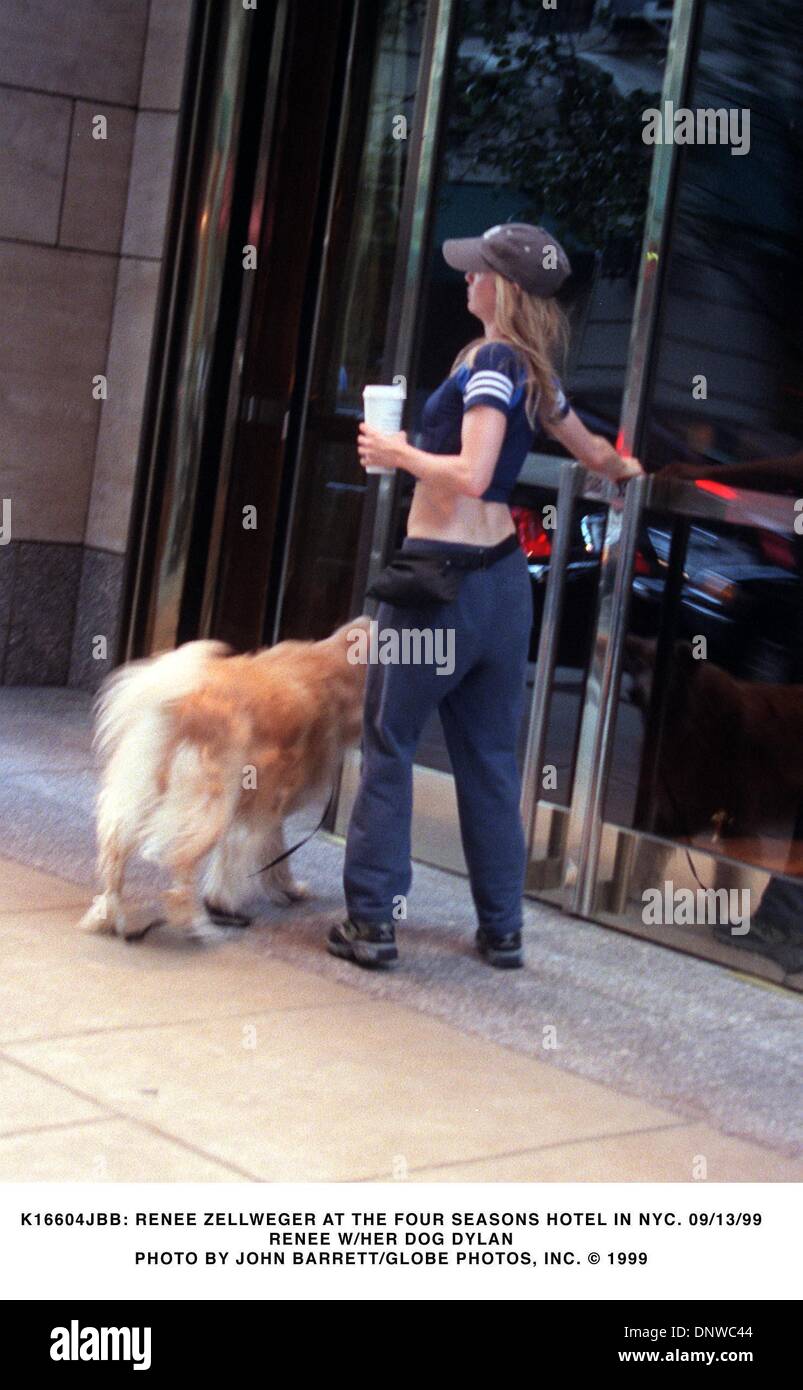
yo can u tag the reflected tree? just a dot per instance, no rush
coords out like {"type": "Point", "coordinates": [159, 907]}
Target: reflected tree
{"type": "Point", "coordinates": [550, 108]}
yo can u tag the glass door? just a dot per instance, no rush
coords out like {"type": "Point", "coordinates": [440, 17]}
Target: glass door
{"type": "Point", "coordinates": [541, 124]}
{"type": "Point", "coordinates": [661, 762]}
{"type": "Point", "coordinates": [697, 807]}
{"type": "Point", "coordinates": [332, 497]}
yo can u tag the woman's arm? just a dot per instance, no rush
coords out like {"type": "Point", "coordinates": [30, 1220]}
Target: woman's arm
{"type": "Point", "coordinates": [467, 473]}
{"type": "Point", "coordinates": [593, 450]}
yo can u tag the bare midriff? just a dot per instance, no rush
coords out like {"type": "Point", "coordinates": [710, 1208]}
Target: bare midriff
{"type": "Point", "coordinates": [441, 514]}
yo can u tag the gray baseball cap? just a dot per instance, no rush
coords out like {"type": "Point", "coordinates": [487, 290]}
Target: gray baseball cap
{"type": "Point", "coordinates": [529, 255]}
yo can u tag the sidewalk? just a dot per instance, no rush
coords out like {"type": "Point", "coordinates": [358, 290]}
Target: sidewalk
{"type": "Point", "coordinates": [264, 1058]}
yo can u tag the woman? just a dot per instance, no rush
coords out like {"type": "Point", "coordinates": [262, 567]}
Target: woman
{"type": "Point", "coordinates": [479, 426]}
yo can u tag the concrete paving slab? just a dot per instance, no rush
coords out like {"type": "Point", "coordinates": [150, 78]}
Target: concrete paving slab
{"type": "Point", "coordinates": [679, 1153]}
{"type": "Point", "coordinates": [335, 1095]}
{"type": "Point", "coordinates": [109, 1150]}
{"type": "Point", "coordinates": [29, 1100]}
{"type": "Point", "coordinates": [23, 889]}
{"type": "Point", "coordinates": [56, 980]}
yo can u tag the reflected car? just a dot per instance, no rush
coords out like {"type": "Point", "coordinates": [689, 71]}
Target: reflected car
{"type": "Point", "coordinates": [741, 589]}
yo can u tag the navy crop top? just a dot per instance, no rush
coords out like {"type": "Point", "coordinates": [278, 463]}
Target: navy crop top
{"type": "Point", "coordinates": [498, 378]}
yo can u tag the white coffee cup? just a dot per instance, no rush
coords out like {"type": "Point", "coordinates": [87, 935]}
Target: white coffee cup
{"type": "Point", "coordinates": [382, 408]}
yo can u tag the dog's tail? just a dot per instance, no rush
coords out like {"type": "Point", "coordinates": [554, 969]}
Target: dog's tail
{"type": "Point", "coordinates": [148, 685]}
{"type": "Point", "coordinates": [132, 729]}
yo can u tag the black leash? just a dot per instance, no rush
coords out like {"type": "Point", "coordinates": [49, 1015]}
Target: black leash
{"type": "Point", "coordinates": [721, 816]}
{"type": "Point", "coordinates": [287, 852]}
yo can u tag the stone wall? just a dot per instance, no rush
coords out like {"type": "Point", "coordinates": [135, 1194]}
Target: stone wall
{"type": "Point", "coordinates": [82, 225]}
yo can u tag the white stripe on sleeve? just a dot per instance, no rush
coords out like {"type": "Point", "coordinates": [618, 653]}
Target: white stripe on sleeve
{"type": "Point", "coordinates": [490, 383]}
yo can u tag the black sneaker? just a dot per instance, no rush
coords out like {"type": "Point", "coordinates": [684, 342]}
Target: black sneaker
{"type": "Point", "coordinates": [367, 943]}
{"type": "Point", "coordinates": [502, 951]}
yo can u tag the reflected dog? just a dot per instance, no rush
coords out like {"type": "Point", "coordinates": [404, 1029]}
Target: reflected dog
{"type": "Point", "coordinates": [730, 763]}
{"type": "Point", "coordinates": [206, 753]}
{"type": "Point", "coordinates": [731, 751]}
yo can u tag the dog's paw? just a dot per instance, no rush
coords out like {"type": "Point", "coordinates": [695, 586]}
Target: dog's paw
{"type": "Point", "coordinates": [296, 892]}
{"type": "Point", "coordinates": [100, 917]}
{"type": "Point", "coordinates": [201, 929]}
{"type": "Point", "coordinates": [284, 891]}
{"type": "Point", "coordinates": [132, 931]}
{"type": "Point", "coordinates": [226, 917]}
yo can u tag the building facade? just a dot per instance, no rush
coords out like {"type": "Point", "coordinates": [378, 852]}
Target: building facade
{"type": "Point", "coordinates": [264, 239]}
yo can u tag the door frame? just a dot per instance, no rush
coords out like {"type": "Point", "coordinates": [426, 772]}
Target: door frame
{"type": "Point", "coordinates": [584, 827]}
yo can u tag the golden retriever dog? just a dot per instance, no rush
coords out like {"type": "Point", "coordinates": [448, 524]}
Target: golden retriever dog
{"type": "Point", "coordinates": [205, 753]}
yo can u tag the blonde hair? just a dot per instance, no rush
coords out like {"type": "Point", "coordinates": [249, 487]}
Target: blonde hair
{"type": "Point", "coordinates": [539, 329]}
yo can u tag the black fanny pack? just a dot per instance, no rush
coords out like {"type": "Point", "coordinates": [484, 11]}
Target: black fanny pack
{"type": "Point", "coordinates": [419, 578]}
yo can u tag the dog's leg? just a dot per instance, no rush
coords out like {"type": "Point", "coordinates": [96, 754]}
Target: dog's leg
{"type": "Point", "coordinates": [106, 913]}
{"type": "Point", "coordinates": [194, 817]}
{"type": "Point", "coordinates": [183, 907]}
{"type": "Point", "coordinates": [279, 880]}
{"type": "Point", "coordinates": [225, 884]}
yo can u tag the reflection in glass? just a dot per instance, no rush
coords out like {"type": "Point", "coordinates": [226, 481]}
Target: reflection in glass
{"type": "Point", "coordinates": [710, 722]}
{"type": "Point", "coordinates": [708, 747]}
{"type": "Point", "coordinates": [728, 398]}
{"type": "Point", "coordinates": [353, 319]}
{"type": "Point", "coordinates": [544, 125]}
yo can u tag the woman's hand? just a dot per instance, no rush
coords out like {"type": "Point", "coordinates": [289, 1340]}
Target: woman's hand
{"type": "Point", "coordinates": [622, 467]}
{"type": "Point", "coordinates": [617, 467]}
{"type": "Point", "coordinates": [378, 450]}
